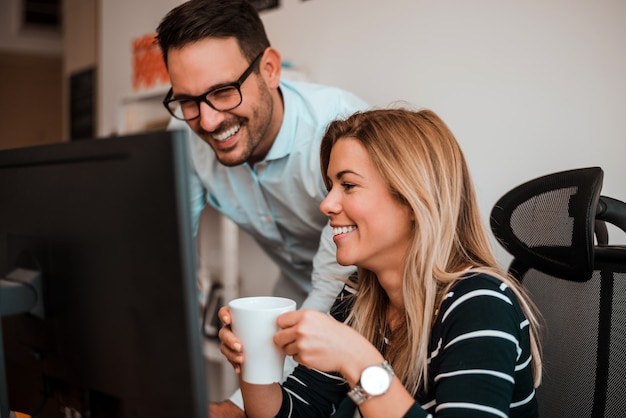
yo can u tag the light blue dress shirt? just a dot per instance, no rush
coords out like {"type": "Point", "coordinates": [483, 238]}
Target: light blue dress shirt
{"type": "Point", "coordinates": [277, 201]}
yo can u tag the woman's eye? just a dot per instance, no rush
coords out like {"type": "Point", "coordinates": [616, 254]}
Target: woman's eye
{"type": "Point", "coordinates": [347, 186]}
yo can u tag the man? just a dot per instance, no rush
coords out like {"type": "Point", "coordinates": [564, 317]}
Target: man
{"type": "Point", "coordinates": [255, 142]}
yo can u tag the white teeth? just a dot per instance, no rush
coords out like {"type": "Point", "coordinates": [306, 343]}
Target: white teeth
{"type": "Point", "coordinates": [227, 133]}
{"type": "Point", "coordinates": [343, 230]}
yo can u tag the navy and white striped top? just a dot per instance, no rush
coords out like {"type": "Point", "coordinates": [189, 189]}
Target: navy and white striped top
{"type": "Point", "coordinates": [479, 363]}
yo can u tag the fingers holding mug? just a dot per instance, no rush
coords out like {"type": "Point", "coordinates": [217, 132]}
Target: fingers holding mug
{"type": "Point", "coordinates": [230, 345]}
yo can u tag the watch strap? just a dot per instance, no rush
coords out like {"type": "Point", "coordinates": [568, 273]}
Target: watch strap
{"type": "Point", "coordinates": [359, 395]}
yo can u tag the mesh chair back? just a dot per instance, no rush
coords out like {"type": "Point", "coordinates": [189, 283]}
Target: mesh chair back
{"type": "Point", "coordinates": [548, 225]}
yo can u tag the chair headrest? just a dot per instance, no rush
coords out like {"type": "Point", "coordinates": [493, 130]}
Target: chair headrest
{"type": "Point", "coordinates": [549, 222]}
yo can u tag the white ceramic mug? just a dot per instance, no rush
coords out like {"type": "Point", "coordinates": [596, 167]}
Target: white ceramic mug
{"type": "Point", "coordinates": [254, 323]}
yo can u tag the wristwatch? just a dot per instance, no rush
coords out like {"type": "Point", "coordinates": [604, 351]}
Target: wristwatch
{"type": "Point", "coordinates": [375, 380]}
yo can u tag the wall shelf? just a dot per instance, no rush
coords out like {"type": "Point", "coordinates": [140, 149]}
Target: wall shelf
{"type": "Point", "coordinates": [143, 111]}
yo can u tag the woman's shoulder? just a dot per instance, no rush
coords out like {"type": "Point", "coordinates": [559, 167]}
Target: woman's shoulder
{"type": "Point", "coordinates": [479, 288]}
{"type": "Point", "coordinates": [483, 296]}
{"type": "Point", "coordinates": [474, 281]}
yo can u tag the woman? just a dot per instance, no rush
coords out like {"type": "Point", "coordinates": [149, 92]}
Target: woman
{"type": "Point", "coordinates": [431, 326]}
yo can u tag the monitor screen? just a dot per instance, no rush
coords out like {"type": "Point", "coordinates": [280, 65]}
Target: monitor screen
{"type": "Point", "coordinates": [104, 225]}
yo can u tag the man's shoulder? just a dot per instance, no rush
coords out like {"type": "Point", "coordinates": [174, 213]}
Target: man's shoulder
{"type": "Point", "coordinates": [309, 87]}
{"type": "Point", "coordinates": [322, 98]}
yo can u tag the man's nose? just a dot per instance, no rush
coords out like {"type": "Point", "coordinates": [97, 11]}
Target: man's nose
{"type": "Point", "coordinates": [210, 118]}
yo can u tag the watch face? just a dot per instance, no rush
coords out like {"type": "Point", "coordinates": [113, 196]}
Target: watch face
{"type": "Point", "coordinates": [375, 380]}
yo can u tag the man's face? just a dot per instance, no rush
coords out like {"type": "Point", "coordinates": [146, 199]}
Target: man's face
{"type": "Point", "coordinates": [242, 134]}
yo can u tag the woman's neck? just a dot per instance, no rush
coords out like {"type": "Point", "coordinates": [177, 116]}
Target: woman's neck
{"type": "Point", "coordinates": [395, 316]}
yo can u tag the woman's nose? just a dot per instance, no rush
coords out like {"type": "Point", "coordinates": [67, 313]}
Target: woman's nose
{"type": "Point", "coordinates": [330, 205]}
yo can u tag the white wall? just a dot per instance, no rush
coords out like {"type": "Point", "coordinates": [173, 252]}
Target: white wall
{"type": "Point", "coordinates": [528, 87]}
{"type": "Point", "coordinates": [121, 22]}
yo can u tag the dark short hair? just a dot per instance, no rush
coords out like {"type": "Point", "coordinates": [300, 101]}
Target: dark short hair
{"type": "Point", "coordinates": [195, 20]}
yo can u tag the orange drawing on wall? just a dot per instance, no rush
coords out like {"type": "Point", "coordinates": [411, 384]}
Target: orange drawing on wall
{"type": "Point", "coordinates": [148, 67]}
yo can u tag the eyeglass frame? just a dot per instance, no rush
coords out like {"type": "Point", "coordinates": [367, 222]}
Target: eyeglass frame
{"type": "Point", "coordinates": [202, 98]}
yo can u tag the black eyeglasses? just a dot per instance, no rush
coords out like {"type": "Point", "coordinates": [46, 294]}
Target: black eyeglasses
{"type": "Point", "coordinates": [221, 98]}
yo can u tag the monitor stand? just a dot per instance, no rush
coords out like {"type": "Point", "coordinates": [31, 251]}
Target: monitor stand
{"type": "Point", "coordinates": [21, 291]}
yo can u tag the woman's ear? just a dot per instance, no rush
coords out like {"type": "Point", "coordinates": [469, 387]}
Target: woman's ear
{"type": "Point", "coordinates": [270, 67]}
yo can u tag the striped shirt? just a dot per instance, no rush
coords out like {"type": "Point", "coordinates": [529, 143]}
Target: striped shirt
{"type": "Point", "coordinates": [479, 362]}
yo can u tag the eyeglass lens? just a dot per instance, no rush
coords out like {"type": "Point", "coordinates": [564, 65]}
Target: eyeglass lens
{"type": "Point", "coordinates": [222, 99]}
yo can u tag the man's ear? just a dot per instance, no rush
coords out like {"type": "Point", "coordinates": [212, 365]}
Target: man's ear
{"type": "Point", "coordinates": [270, 67]}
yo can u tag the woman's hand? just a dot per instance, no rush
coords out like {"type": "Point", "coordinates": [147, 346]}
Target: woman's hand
{"type": "Point", "coordinates": [317, 340]}
{"type": "Point", "coordinates": [231, 347]}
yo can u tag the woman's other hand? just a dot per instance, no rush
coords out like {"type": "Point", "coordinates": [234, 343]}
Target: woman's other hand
{"type": "Point", "coordinates": [231, 347]}
{"type": "Point", "coordinates": [317, 340]}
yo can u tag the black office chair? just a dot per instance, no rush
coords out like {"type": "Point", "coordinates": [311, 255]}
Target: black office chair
{"type": "Point", "coordinates": [555, 227]}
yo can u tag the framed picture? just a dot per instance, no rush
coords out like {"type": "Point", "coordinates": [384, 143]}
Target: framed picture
{"type": "Point", "coordinates": [264, 4]}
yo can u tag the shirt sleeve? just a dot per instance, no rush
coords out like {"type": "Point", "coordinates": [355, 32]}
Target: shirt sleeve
{"type": "Point", "coordinates": [198, 200]}
{"type": "Point", "coordinates": [312, 393]}
{"type": "Point", "coordinates": [197, 192]}
{"type": "Point", "coordinates": [328, 276]}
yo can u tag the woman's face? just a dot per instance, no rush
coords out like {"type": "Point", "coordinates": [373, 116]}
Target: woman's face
{"type": "Point", "coordinates": [371, 227]}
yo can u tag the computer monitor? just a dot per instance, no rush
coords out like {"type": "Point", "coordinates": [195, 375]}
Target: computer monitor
{"type": "Point", "coordinates": [104, 226]}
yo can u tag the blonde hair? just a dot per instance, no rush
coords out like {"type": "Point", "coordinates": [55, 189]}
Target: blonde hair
{"type": "Point", "coordinates": [425, 169]}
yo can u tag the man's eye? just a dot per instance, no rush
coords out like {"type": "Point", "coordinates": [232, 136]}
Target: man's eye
{"type": "Point", "coordinates": [185, 103]}
{"type": "Point", "coordinates": [224, 93]}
